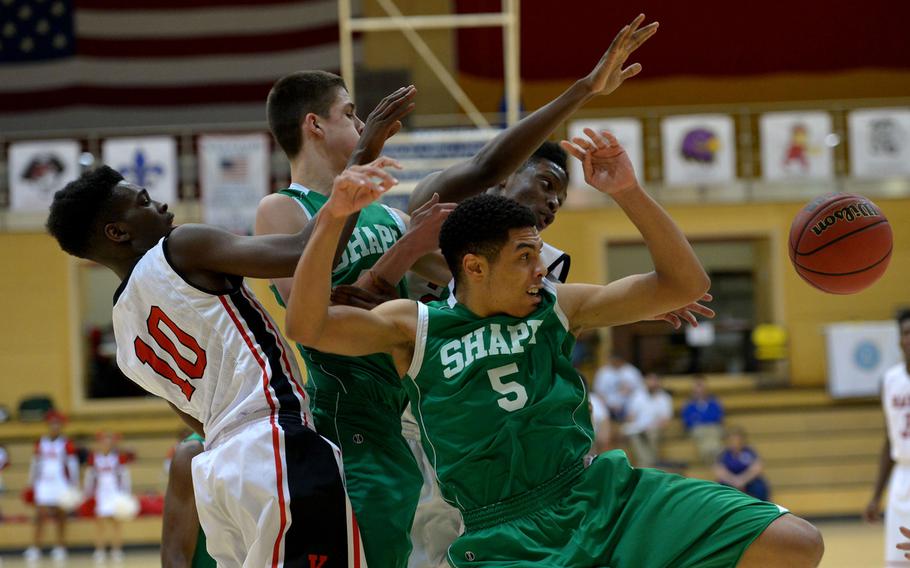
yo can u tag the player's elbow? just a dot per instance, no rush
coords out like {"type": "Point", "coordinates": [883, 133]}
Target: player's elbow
{"type": "Point", "coordinates": [302, 332]}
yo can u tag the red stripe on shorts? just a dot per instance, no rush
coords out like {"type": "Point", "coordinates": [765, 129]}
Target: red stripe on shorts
{"type": "Point", "coordinates": [276, 442]}
{"type": "Point", "coordinates": [355, 530]}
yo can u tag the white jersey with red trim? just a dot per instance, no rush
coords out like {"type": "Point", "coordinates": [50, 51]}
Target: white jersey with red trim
{"type": "Point", "coordinates": [218, 357]}
{"type": "Point", "coordinates": [896, 402]}
{"type": "Point", "coordinates": [107, 474]}
{"type": "Point", "coordinates": [55, 461]}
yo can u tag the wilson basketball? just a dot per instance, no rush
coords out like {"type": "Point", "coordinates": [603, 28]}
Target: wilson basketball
{"type": "Point", "coordinates": [840, 243]}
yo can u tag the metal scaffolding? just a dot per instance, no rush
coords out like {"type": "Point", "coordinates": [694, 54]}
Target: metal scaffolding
{"type": "Point", "coordinates": [507, 19]}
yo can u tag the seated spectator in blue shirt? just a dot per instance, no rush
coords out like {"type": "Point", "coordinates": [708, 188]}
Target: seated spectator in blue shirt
{"type": "Point", "coordinates": [739, 466]}
{"type": "Point", "coordinates": [703, 417]}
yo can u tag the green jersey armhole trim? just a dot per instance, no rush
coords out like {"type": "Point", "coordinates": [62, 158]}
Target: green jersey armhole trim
{"type": "Point", "coordinates": [420, 341]}
{"type": "Point", "coordinates": [398, 220]}
{"type": "Point", "coordinates": [557, 309]}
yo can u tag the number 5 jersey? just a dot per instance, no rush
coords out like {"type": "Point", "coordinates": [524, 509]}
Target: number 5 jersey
{"type": "Point", "coordinates": [218, 357]}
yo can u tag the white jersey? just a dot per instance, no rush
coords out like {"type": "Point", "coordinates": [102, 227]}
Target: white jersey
{"type": "Point", "coordinates": [896, 402]}
{"type": "Point", "coordinates": [107, 474]}
{"type": "Point", "coordinates": [55, 461]}
{"type": "Point", "coordinates": [217, 357]}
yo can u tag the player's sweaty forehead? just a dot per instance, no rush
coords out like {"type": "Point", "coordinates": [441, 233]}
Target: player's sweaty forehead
{"type": "Point", "coordinates": [524, 238]}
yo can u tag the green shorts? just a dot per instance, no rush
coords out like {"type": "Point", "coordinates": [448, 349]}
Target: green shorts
{"type": "Point", "coordinates": [613, 515]}
{"type": "Point", "coordinates": [382, 476]}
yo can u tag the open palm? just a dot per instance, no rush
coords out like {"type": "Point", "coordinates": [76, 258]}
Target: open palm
{"type": "Point", "coordinates": [609, 72]}
{"type": "Point", "coordinates": [358, 186]}
{"type": "Point", "coordinates": [606, 165]}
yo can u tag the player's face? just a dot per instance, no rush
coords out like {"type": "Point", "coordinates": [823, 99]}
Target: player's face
{"type": "Point", "coordinates": [145, 219]}
{"type": "Point", "coordinates": [905, 339]}
{"type": "Point", "coordinates": [541, 187]}
{"type": "Point", "coordinates": [342, 129]}
{"type": "Point", "coordinates": [516, 276]}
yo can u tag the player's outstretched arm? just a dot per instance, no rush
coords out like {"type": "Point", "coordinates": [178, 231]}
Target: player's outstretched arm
{"type": "Point", "coordinates": [345, 330]}
{"type": "Point", "coordinates": [678, 278]}
{"type": "Point", "coordinates": [502, 155]}
{"type": "Point", "coordinates": [180, 523]}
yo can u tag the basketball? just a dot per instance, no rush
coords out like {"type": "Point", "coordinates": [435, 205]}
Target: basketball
{"type": "Point", "coordinates": [840, 243]}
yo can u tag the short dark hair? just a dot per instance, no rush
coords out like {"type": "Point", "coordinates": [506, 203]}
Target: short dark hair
{"type": "Point", "coordinates": [551, 152]}
{"type": "Point", "coordinates": [480, 225]}
{"type": "Point", "coordinates": [78, 207]}
{"type": "Point", "coordinates": [903, 315]}
{"type": "Point", "coordinates": [292, 98]}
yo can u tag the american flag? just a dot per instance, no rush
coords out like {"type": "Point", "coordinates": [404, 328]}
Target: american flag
{"type": "Point", "coordinates": [137, 62]}
{"type": "Point", "coordinates": [233, 168]}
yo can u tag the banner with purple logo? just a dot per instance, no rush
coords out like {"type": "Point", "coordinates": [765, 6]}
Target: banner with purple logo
{"type": "Point", "coordinates": [797, 145]}
{"type": "Point", "coordinates": [628, 132]}
{"type": "Point", "coordinates": [879, 142]}
{"type": "Point", "coordinates": [38, 169]}
{"type": "Point", "coordinates": [698, 149]}
{"type": "Point", "coordinates": [148, 161]}
{"type": "Point", "coordinates": [233, 177]}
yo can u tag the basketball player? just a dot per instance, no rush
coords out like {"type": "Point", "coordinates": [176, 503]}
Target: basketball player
{"type": "Point", "coordinates": [312, 118]}
{"type": "Point", "coordinates": [894, 463]}
{"type": "Point", "coordinates": [502, 412]}
{"type": "Point", "coordinates": [54, 470]}
{"type": "Point", "coordinates": [107, 477]}
{"type": "Point", "coordinates": [269, 491]}
{"type": "Point", "coordinates": [182, 539]}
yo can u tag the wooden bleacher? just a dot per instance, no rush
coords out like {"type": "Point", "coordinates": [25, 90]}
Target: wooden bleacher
{"type": "Point", "coordinates": [820, 455]}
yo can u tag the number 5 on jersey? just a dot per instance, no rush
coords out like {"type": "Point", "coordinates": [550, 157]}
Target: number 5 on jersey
{"type": "Point", "coordinates": [192, 369]}
{"type": "Point", "coordinates": [515, 394]}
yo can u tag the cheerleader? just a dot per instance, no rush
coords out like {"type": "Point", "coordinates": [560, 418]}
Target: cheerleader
{"type": "Point", "coordinates": [107, 480]}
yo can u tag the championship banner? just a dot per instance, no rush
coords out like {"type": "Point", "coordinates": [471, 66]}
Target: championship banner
{"type": "Point", "coordinates": [859, 353]}
{"type": "Point", "coordinates": [794, 146]}
{"type": "Point", "coordinates": [698, 149]}
{"type": "Point", "coordinates": [233, 177]}
{"type": "Point", "coordinates": [38, 169]}
{"type": "Point", "coordinates": [879, 142]}
{"type": "Point", "coordinates": [149, 162]}
{"type": "Point", "coordinates": [627, 131]}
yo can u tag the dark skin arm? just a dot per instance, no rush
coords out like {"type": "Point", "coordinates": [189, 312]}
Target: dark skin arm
{"type": "Point", "coordinates": [180, 522]}
{"type": "Point", "coordinates": [873, 512]}
{"type": "Point", "coordinates": [192, 423]}
{"type": "Point", "coordinates": [505, 153]}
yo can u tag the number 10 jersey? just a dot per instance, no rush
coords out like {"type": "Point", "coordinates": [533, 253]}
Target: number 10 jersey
{"type": "Point", "coordinates": [218, 357]}
{"type": "Point", "coordinates": [500, 407]}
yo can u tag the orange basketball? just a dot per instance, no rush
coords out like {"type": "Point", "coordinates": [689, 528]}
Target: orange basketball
{"type": "Point", "coordinates": [840, 243]}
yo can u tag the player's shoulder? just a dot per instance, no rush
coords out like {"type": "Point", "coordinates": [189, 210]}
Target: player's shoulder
{"type": "Point", "coordinates": [896, 372]}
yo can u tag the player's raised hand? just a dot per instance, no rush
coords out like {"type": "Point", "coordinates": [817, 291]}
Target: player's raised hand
{"type": "Point", "coordinates": [610, 71]}
{"type": "Point", "coordinates": [383, 123]}
{"type": "Point", "coordinates": [358, 186]}
{"type": "Point", "coordinates": [606, 165]}
{"type": "Point", "coordinates": [427, 220]}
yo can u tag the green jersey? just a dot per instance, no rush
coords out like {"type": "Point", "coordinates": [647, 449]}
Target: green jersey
{"type": "Point", "coordinates": [501, 409]}
{"type": "Point", "coordinates": [378, 228]}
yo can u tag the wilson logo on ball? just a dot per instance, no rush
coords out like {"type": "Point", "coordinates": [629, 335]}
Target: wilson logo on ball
{"type": "Point", "coordinates": [848, 214]}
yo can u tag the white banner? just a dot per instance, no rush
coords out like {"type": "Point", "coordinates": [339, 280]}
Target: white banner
{"type": "Point", "coordinates": [858, 355]}
{"type": "Point", "coordinates": [627, 131]}
{"type": "Point", "coordinates": [233, 177]}
{"type": "Point", "coordinates": [794, 145]}
{"type": "Point", "coordinates": [698, 149]}
{"type": "Point", "coordinates": [38, 169]}
{"type": "Point", "coordinates": [149, 162]}
{"type": "Point", "coordinates": [879, 142]}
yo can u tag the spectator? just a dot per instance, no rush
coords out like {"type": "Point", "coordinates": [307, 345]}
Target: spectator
{"type": "Point", "coordinates": [4, 463]}
{"type": "Point", "coordinates": [600, 419]}
{"type": "Point", "coordinates": [616, 382]}
{"type": "Point", "coordinates": [703, 417]}
{"type": "Point", "coordinates": [739, 466]}
{"type": "Point", "coordinates": [647, 413]}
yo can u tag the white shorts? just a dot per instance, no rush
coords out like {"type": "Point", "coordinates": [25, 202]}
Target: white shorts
{"type": "Point", "coordinates": [897, 514]}
{"type": "Point", "coordinates": [436, 523]}
{"type": "Point", "coordinates": [273, 495]}
{"type": "Point", "coordinates": [48, 491]}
